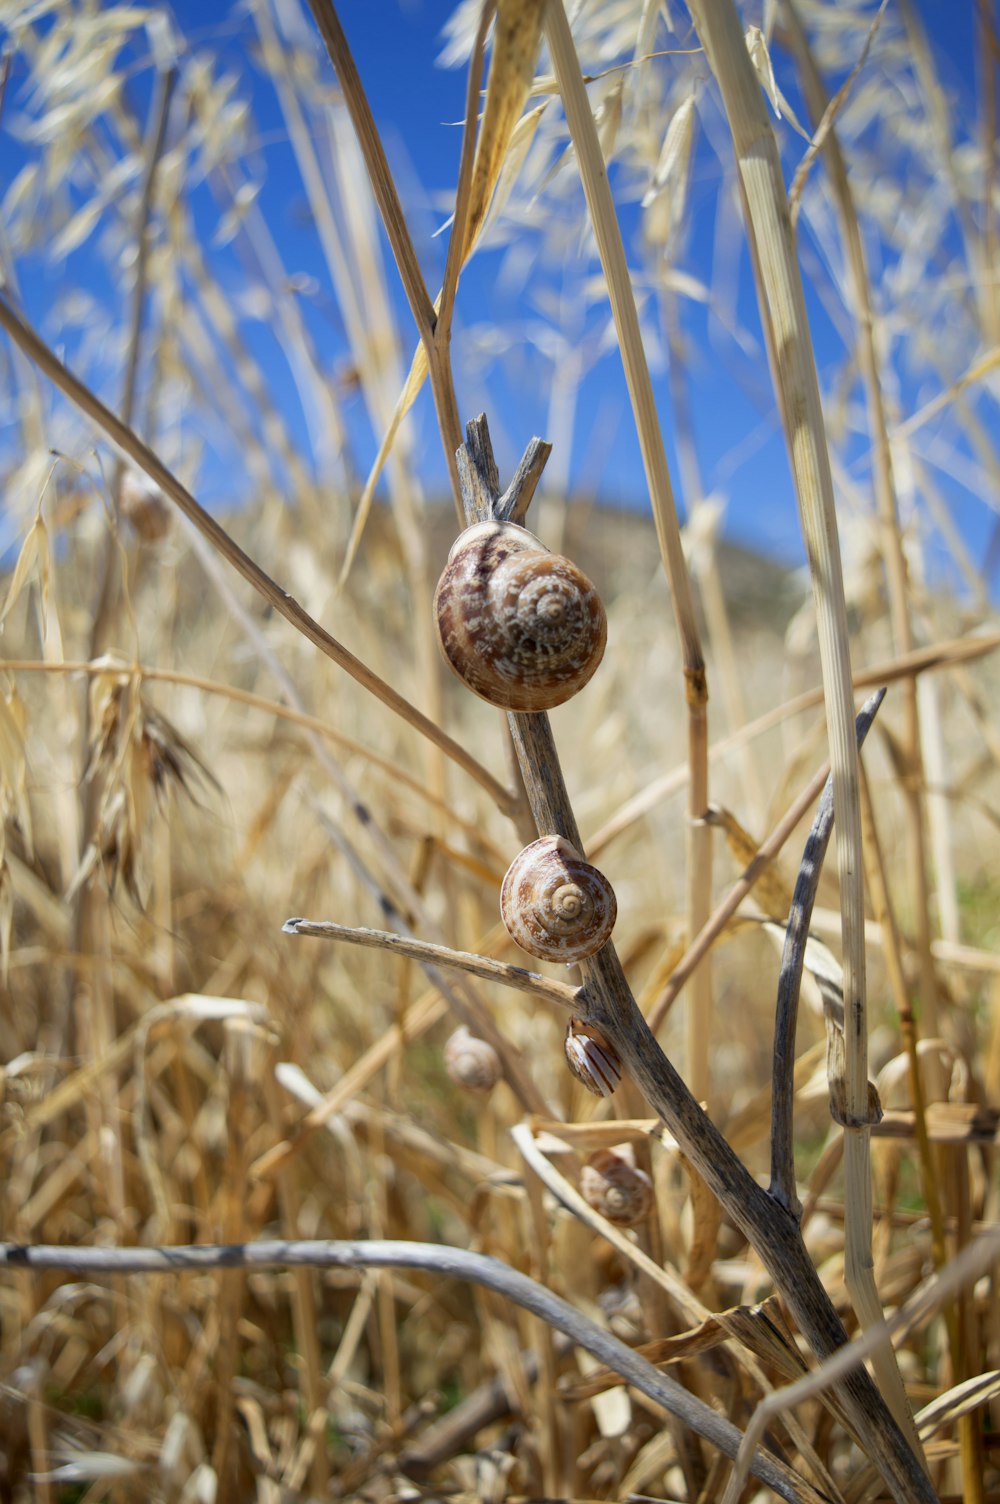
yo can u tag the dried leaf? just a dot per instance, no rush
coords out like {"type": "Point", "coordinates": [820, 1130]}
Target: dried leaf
{"type": "Point", "coordinates": [34, 561]}
{"type": "Point", "coordinates": [512, 69]}
{"type": "Point", "coordinates": [836, 1070]}
{"type": "Point", "coordinates": [761, 1329]}
{"type": "Point", "coordinates": [82, 225]}
{"type": "Point", "coordinates": [86, 1467]}
{"type": "Point", "coordinates": [769, 888]}
{"type": "Point", "coordinates": [407, 397]}
{"type": "Point", "coordinates": [761, 59]}
{"type": "Point", "coordinates": [516, 41]}
{"type": "Point", "coordinates": [949, 1407]}
{"type": "Point", "coordinates": [520, 144]}
{"type": "Point", "coordinates": [673, 168]}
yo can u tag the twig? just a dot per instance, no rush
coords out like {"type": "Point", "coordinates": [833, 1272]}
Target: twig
{"type": "Point", "coordinates": [782, 1186]}
{"type": "Point", "coordinates": [462, 999]}
{"type": "Point", "coordinates": [444, 1262]}
{"type": "Point", "coordinates": [607, 1002]}
{"type": "Point", "coordinates": [440, 955]}
{"type": "Point", "coordinates": [455, 1431]}
{"type": "Point", "coordinates": [714, 926]}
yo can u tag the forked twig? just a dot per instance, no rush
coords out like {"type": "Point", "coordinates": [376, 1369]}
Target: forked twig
{"type": "Point", "coordinates": [607, 1002]}
{"type": "Point", "coordinates": [716, 922]}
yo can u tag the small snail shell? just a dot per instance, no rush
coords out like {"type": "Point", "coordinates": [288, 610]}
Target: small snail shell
{"type": "Point", "coordinates": [613, 1186]}
{"type": "Point", "coordinates": [471, 1062]}
{"type": "Point", "coordinates": [521, 626]}
{"type": "Point", "coordinates": [556, 905]}
{"type": "Point", "coordinates": [592, 1060]}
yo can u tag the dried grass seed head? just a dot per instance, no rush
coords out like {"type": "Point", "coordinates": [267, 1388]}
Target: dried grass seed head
{"type": "Point", "coordinates": [136, 756]}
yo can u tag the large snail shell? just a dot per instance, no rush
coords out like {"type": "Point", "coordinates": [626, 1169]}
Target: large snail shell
{"type": "Point", "coordinates": [521, 626]}
{"type": "Point", "coordinates": [556, 905]}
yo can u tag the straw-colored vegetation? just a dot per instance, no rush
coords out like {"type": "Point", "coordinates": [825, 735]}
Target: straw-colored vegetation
{"type": "Point", "coordinates": [462, 1274]}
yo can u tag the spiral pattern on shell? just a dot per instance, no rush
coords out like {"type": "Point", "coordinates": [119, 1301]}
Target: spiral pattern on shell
{"type": "Point", "coordinates": [594, 1062]}
{"type": "Point", "coordinates": [554, 904]}
{"type": "Point", "coordinates": [613, 1186]}
{"type": "Point", "coordinates": [522, 627]}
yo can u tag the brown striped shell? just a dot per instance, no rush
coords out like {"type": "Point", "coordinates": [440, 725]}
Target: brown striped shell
{"type": "Point", "coordinates": [522, 627]}
{"type": "Point", "coordinates": [554, 904]}
{"type": "Point", "coordinates": [595, 1063]}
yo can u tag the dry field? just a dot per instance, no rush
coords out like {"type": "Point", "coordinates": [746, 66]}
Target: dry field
{"type": "Point", "coordinates": [450, 1270]}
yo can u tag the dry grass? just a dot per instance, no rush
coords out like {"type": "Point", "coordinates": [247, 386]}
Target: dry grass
{"type": "Point", "coordinates": [181, 771]}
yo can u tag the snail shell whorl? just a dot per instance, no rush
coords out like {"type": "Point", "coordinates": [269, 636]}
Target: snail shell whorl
{"type": "Point", "coordinates": [471, 1062]}
{"type": "Point", "coordinates": [554, 904]}
{"type": "Point", "coordinates": [594, 1062]}
{"type": "Point", "coordinates": [612, 1185]}
{"type": "Point", "coordinates": [521, 626]}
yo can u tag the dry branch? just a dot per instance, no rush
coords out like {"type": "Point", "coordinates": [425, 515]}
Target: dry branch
{"type": "Point", "coordinates": [443, 1262]}
{"type": "Point", "coordinates": [607, 1002]}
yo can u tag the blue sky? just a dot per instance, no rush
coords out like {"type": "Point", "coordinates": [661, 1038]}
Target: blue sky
{"type": "Point", "coordinates": [417, 105]}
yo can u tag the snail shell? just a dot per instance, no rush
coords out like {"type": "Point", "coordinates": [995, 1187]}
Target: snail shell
{"type": "Point", "coordinates": [471, 1062]}
{"type": "Point", "coordinates": [522, 627]}
{"type": "Point", "coordinates": [613, 1186]}
{"type": "Point", "coordinates": [593, 1061]}
{"type": "Point", "coordinates": [554, 904]}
